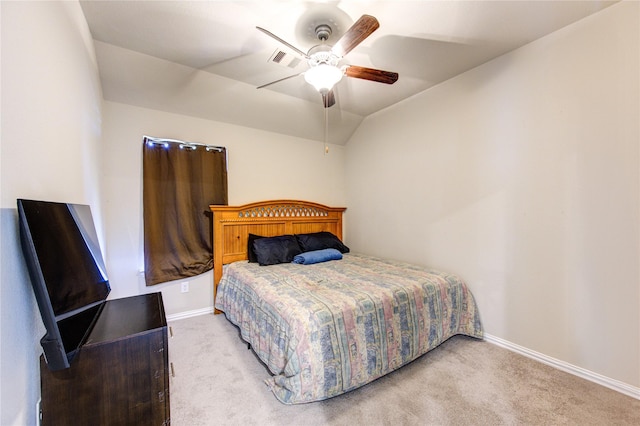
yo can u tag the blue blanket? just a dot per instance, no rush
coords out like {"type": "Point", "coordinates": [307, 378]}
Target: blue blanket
{"type": "Point", "coordinates": [317, 256]}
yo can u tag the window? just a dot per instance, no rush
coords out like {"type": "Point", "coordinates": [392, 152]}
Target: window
{"type": "Point", "coordinates": [180, 181]}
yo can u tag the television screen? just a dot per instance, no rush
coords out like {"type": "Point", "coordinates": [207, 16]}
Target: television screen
{"type": "Point", "coordinates": [67, 273]}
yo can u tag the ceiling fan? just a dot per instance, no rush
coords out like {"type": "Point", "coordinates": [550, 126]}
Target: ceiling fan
{"type": "Point", "coordinates": [323, 59]}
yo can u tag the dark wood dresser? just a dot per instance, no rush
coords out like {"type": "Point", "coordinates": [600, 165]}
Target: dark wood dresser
{"type": "Point", "coordinates": [120, 375]}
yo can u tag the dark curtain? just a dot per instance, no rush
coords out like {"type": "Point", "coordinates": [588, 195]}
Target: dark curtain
{"type": "Point", "coordinates": [180, 181]}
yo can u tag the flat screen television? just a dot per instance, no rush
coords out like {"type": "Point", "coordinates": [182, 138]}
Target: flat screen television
{"type": "Point", "coordinates": [67, 271]}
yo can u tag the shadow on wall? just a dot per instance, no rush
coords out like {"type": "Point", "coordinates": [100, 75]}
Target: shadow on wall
{"type": "Point", "coordinates": [21, 328]}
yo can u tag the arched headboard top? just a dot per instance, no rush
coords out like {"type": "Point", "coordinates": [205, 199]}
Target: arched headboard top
{"type": "Point", "coordinates": [278, 208]}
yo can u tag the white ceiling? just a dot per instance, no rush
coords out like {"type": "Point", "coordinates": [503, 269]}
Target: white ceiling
{"type": "Point", "coordinates": [206, 58]}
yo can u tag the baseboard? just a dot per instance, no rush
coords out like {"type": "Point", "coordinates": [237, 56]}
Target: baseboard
{"type": "Point", "coordinates": [616, 385]}
{"type": "Point", "coordinates": [189, 314]}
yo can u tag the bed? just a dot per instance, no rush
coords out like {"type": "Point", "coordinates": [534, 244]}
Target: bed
{"type": "Point", "coordinates": [329, 327]}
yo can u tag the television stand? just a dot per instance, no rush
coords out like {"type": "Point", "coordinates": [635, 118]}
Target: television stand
{"type": "Point", "coordinates": [120, 375]}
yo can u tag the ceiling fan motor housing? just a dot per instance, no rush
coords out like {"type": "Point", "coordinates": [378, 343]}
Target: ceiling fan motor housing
{"type": "Point", "coordinates": [323, 63]}
{"type": "Point", "coordinates": [322, 54]}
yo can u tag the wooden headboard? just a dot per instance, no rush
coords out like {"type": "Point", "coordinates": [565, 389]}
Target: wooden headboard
{"type": "Point", "coordinates": [233, 224]}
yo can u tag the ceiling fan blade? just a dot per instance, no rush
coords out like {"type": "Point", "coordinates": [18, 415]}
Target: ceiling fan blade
{"type": "Point", "coordinates": [362, 29]}
{"type": "Point", "coordinates": [289, 45]}
{"type": "Point", "coordinates": [372, 74]}
{"type": "Point", "coordinates": [328, 99]}
{"type": "Point", "coordinates": [278, 81]}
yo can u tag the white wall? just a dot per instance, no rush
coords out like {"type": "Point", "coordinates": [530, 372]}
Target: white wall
{"type": "Point", "coordinates": [50, 138]}
{"type": "Point", "coordinates": [261, 166]}
{"type": "Point", "coordinates": [522, 175]}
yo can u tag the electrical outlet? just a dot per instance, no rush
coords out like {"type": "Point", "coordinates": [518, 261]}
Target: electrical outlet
{"type": "Point", "coordinates": [184, 288]}
{"type": "Point", "coordinates": [38, 412]}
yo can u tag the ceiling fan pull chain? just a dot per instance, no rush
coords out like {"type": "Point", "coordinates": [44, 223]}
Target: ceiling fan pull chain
{"type": "Point", "coordinates": [326, 131]}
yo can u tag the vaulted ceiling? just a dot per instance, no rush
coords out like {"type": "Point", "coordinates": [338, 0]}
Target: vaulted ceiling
{"type": "Point", "coordinates": [206, 58]}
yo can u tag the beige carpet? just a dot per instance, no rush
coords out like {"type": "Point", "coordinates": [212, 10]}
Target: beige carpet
{"type": "Point", "coordinates": [463, 382]}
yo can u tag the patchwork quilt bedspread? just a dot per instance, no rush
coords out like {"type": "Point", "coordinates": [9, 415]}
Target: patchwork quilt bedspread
{"type": "Point", "coordinates": [328, 328]}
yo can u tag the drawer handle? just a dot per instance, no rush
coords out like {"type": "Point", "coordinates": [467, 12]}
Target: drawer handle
{"type": "Point", "coordinates": [173, 373]}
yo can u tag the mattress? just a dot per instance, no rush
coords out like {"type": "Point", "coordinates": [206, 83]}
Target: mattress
{"type": "Point", "coordinates": [328, 328]}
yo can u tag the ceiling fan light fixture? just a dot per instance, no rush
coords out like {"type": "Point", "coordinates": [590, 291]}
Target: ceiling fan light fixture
{"type": "Point", "coordinates": [323, 77]}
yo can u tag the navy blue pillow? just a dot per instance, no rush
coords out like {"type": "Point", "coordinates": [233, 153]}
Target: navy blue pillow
{"type": "Point", "coordinates": [251, 253]}
{"type": "Point", "coordinates": [274, 250]}
{"type": "Point", "coordinates": [320, 241]}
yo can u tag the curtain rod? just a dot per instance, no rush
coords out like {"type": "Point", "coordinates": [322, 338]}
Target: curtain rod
{"type": "Point", "coordinates": [189, 145]}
